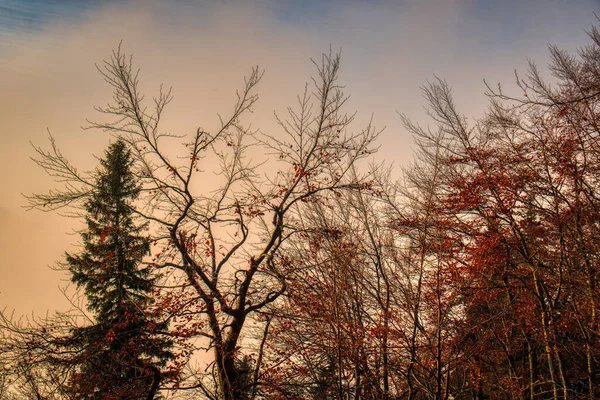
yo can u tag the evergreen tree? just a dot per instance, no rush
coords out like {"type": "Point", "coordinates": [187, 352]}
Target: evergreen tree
{"type": "Point", "coordinates": [123, 355]}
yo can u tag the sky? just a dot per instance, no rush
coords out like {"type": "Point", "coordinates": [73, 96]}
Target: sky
{"type": "Point", "coordinates": [203, 49]}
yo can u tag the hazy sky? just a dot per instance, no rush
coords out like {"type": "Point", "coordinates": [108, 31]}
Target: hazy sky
{"type": "Point", "coordinates": [203, 49]}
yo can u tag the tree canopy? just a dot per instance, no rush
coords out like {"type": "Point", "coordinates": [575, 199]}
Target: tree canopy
{"type": "Point", "coordinates": [313, 275]}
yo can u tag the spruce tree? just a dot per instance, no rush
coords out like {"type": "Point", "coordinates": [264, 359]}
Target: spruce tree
{"type": "Point", "coordinates": [122, 354]}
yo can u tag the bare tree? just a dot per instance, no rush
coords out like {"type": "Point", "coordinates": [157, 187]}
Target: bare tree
{"type": "Point", "coordinates": [219, 250]}
{"type": "Point", "coordinates": [36, 355]}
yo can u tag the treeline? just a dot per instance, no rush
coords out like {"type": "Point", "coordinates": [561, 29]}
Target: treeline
{"type": "Point", "coordinates": [474, 276]}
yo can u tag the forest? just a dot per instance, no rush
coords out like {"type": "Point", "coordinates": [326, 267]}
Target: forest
{"type": "Point", "coordinates": [241, 264]}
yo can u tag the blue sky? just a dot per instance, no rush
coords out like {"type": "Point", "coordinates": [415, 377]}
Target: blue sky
{"type": "Point", "coordinates": [503, 18]}
{"type": "Point", "coordinates": [26, 16]}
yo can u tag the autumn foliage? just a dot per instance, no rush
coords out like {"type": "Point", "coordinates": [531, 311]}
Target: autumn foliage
{"type": "Point", "coordinates": [314, 276]}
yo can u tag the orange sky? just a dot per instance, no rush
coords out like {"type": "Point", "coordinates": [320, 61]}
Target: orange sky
{"type": "Point", "coordinates": [204, 48]}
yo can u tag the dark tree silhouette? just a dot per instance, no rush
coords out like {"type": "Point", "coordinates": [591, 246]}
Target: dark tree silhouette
{"type": "Point", "coordinates": [123, 355]}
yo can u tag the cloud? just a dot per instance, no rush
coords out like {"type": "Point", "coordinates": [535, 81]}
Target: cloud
{"type": "Point", "coordinates": [203, 49]}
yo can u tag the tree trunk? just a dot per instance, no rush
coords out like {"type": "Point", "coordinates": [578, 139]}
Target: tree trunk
{"type": "Point", "coordinates": [230, 384]}
{"type": "Point", "coordinates": [228, 376]}
{"type": "Point", "coordinates": [155, 383]}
